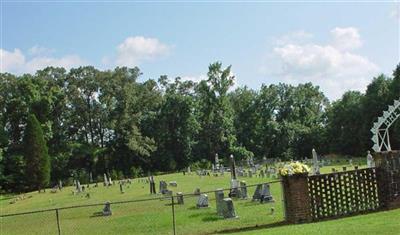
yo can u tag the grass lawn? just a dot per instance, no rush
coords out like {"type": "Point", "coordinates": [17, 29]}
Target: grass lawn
{"type": "Point", "coordinates": [155, 217]}
{"type": "Point", "coordinates": [386, 222]}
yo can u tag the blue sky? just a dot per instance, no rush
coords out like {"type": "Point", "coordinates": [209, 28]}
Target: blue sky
{"type": "Point", "coordinates": [338, 46]}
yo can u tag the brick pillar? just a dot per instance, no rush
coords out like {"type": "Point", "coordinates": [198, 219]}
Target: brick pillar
{"type": "Point", "coordinates": [388, 176]}
{"type": "Point", "coordinates": [296, 198]}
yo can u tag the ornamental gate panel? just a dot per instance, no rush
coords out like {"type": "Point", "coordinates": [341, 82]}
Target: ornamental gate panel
{"type": "Point", "coordinates": [343, 193]}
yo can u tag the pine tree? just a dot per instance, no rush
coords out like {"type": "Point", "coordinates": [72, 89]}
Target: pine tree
{"type": "Point", "coordinates": [36, 155]}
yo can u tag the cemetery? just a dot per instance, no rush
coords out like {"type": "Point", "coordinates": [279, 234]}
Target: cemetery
{"type": "Point", "coordinates": [199, 117]}
{"type": "Point", "coordinates": [203, 203]}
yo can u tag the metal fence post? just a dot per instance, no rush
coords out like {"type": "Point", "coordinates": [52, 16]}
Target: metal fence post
{"type": "Point", "coordinates": [173, 214]}
{"type": "Point", "coordinates": [58, 222]}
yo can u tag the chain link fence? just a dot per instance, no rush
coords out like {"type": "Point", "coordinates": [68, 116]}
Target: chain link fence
{"type": "Point", "coordinates": [153, 215]}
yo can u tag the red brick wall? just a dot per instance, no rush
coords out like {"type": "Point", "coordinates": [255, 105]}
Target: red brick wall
{"type": "Point", "coordinates": [297, 199]}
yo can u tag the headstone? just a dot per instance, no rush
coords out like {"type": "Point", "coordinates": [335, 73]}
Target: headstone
{"type": "Point", "coordinates": [78, 186]}
{"type": "Point", "coordinates": [315, 162]}
{"type": "Point", "coordinates": [243, 190]}
{"type": "Point", "coordinates": [266, 194]}
{"type": "Point", "coordinates": [179, 198]}
{"type": "Point", "coordinates": [370, 160]}
{"type": "Point", "coordinates": [107, 209]}
{"type": "Point", "coordinates": [196, 191]}
{"type": "Point", "coordinates": [188, 170]}
{"type": "Point", "coordinates": [121, 188]}
{"type": "Point", "coordinates": [233, 167]}
{"type": "Point", "coordinates": [163, 187]}
{"type": "Point", "coordinates": [257, 193]}
{"type": "Point", "coordinates": [105, 180]}
{"type": "Point", "coordinates": [90, 177]}
{"type": "Point", "coordinates": [219, 197]}
{"type": "Point", "coordinates": [173, 184]}
{"type": "Point", "coordinates": [110, 182]}
{"type": "Point", "coordinates": [60, 185]}
{"type": "Point", "coordinates": [54, 189]}
{"type": "Point", "coordinates": [228, 209]}
{"type": "Point", "coordinates": [250, 174]}
{"type": "Point", "coordinates": [202, 202]}
{"type": "Point", "coordinates": [262, 174]}
{"type": "Point", "coordinates": [234, 191]}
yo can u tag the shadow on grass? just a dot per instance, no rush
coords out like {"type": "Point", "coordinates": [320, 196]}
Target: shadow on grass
{"type": "Point", "coordinates": [251, 228]}
{"type": "Point", "coordinates": [211, 218]}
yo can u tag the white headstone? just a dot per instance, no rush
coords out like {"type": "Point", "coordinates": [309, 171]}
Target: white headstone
{"type": "Point", "coordinates": [315, 162]}
{"type": "Point", "coordinates": [203, 201]}
{"type": "Point", "coordinates": [370, 160]}
{"type": "Point", "coordinates": [105, 180]}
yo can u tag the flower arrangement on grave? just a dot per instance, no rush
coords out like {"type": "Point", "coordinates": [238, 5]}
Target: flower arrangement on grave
{"type": "Point", "coordinates": [294, 168]}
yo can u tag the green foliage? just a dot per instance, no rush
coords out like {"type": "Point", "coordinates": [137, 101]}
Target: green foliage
{"type": "Point", "coordinates": [36, 155]}
{"type": "Point", "coordinates": [104, 121]}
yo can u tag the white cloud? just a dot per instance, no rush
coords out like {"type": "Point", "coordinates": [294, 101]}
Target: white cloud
{"type": "Point", "coordinates": [334, 67]}
{"type": "Point", "coordinates": [300, 36]}
{"type": "Point", "coordinates": [39, 50]}
{"type": "Point", "coordinates": [16, 62]}
{"type": "Point", "coordinates": [346, 38]}
{"type": "Point", "coordinates": [134, 50]}
{"type": "Point", "coordinates": [11, 60]}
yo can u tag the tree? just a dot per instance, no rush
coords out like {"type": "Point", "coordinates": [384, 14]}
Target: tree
{"type": "Point", "coordinates": [36, 155]}
{"type": "Point", "coordinates": [215, 115]}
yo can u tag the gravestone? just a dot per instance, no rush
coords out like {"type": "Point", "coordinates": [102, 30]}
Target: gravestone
{"type": "Point", "coordinates": [152, 185]}
{"type": "Point", "coordinates": [234, 191]}
{"type": "Point", "coordinates": [54, 189]}
{"type": "Point", "coordinates": [107, 209]}
{"type": "Point", "coordinates": [196, 191]}
{"type": "Point", "coordinates": [243, 190]}
{"type": "Point", "coordinates": [266, 194]}
{"type": "Point", "coordinates": [219, 197]}
{"type": "Point", "coordinates": [179, 198]}
{"type": "Point", "coordinates": [202, 202]}
{"type": "Point", "coordinates": [257, 193]}
{"type": "Point", "coordinates": [121, 188]}
{"type": "Point", "coordinates": [110, 182]}
{"type": "Point", "coordinates": [60, 185]}
{"type": "Point", "coordinates": [105, 180]}
{"type": "Point", "coordinates": [173, 184]}
{"type": "Point", "coordinates": [163, 187]}
{"type": "Point", "coordinates": [315, 162]}
{"type": "Point", "coordinates": [78, 186]}
{"type": "Point", "coordinates": [250, 174]}
{"type": "Point", "coordinates": [228, 211]}
{"type": "Point", "coordinates": [262, 174]}
{"type": "Point", "coordinates": [370, 160]}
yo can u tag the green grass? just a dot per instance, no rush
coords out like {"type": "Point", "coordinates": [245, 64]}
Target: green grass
{"type": "Point", "coordinates": [386, 223]}
{"type": "Point", "coordinates": [155, 217]}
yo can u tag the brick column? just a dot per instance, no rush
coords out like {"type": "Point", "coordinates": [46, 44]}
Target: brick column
{"type": "Point", "coordinates": [387, 173]}
{"type": "Point", "coordinates": [296, 198]}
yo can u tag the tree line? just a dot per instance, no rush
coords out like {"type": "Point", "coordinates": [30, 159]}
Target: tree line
{"type": "Point", "coordinates": [58, 125]}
